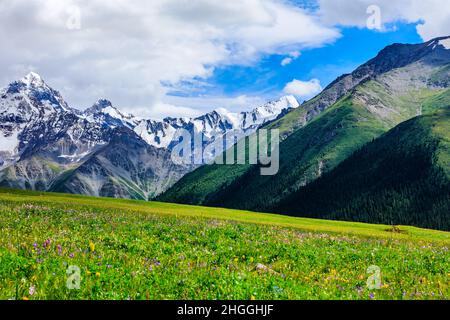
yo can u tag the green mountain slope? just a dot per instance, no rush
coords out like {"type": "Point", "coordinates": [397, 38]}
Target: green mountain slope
{"type": "Point", "coordinates": [401, 178]}
{"type": "Point", "coordinates": [308, 153]}
{"type": "Point", "coordinates": [402, 82]}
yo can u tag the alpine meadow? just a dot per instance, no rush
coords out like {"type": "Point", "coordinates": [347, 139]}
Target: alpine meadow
{"type": "Point", "coordinates": [178, 154]}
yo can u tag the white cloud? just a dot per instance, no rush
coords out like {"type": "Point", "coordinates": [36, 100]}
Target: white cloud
{"type": "Point", "coordinates": [286, 61]}
{"type": "Point", "coordinates": [303, 89]}
{"type": "Point", "coordinates": [291, 57]}
{"type": "Point", "coordinates": [433, 15]}
{"type": "Point", "coordinates": [123, 49]}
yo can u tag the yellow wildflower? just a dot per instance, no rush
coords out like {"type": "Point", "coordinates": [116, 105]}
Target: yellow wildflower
{"type": "Point", "coordinates": [92, 246]}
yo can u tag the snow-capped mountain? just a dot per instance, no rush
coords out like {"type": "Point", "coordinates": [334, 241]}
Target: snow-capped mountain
{"type": "Point", "coordinates": [42, 139]}
{"type": "Point", "coordinates": [24, 104]}
{"type": "Point", "coordinates": [214, 124]}
{"type": "Point", "coordinates": [104, 113]}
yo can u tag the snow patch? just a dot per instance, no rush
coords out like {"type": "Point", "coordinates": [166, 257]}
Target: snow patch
{"type": "Point", "coordinates": [445, 43]}
{"type": "Point", "coordinates": [9, 143]}
{"type": "Point", "coordinates": [32, 78]}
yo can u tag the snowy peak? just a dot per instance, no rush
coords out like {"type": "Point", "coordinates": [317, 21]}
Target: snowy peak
{"type": "Point", "coordinates": [276, 107]}
{"type": "Point", "coordinates": [105, 113]}
{"type": "Point", "coordinates": [267, 112]}
{"type": "Point", "coordinates": [214, 124]}
{"type": "Point", "coordinates": [99, 106]}
{"type": "Point", "coordinates": [32, 79]}
{"type": "Point", "coordinates": [270, 108]}
{"type": "Point", "coordinates": [32, 95]}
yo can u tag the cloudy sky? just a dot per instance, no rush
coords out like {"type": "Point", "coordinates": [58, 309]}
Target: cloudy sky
{"type": "Point", "coordinates": [185, 57]}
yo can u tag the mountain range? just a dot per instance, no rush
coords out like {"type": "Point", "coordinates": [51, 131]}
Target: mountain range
{"type": "Point", "coordinates": [373, 146]}
{"type": "Point", "coordinates": [101, 151]}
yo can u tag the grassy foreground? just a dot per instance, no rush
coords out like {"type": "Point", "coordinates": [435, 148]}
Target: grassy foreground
{"type": "Point", "coordinates": [146, 250]}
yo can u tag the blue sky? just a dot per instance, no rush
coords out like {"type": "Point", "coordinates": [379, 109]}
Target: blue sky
{"type": "Point", "coordinates": [268, 77]}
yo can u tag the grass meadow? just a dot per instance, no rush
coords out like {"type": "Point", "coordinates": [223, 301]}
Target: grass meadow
{"type": "Point", "coordinates": [123, 249]}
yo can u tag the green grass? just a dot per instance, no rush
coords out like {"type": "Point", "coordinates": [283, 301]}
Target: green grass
{"type": "Point", "coordinates": [147, 250]}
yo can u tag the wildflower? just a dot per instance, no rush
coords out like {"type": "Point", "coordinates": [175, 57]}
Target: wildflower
{"type": "Point", "coordinates": [71, 255]}
{"type": "Point", "coordinates": [88, 273]}
{"type": "Point", "coordinates": [25, 298]}
{"type": "Point", "coordinates": [32, 290]}
{"type": "Point", "coordinates": [236, 260]}
{"type": "Point", "coordinates": [252, 298]}
{"type": "Point", "coordinates": [59, 248]}
{"type": "Point", "coordinates": [92, 246]}
{"type": "Point", "coordinates": [97, 274]}
{"type": "Point", "coordinates": [251, 259]}
{"type": "Point", "coordinates": [371, 296]}
{"type": "Point", "coordinates": [47, 243]}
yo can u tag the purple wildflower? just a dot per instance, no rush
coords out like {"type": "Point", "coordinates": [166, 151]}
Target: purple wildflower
{"type": "Point", "coordinates": [47, 243]}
